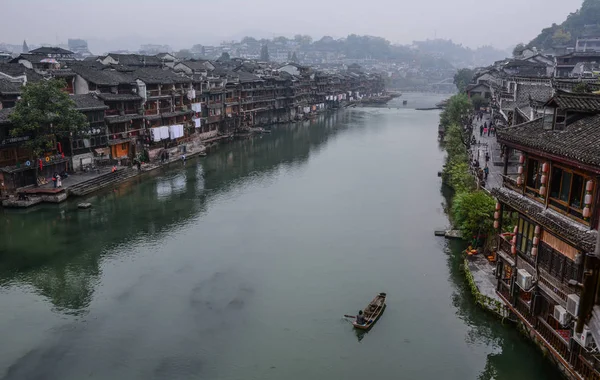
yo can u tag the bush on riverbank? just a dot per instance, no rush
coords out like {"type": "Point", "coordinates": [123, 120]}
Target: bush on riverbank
{"type": "Point", "coordinates": [472, 210]}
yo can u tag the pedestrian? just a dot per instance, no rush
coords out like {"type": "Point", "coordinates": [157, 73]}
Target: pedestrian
{"type": "Point", "coordinates": [54, 179]}
{"type": "Point", "coordinates": [139, 165]}
{"type": "Point", "coordinates": [486, 172]}
{"type": "Point", "coordinates": [485, 129]}
{"type": "Point", "coordinates": [480, 130]}
{"type": "Point", "coordinates": [58, 181]}
{"type": "Point", "coordinates": [183, 158]}
{"type": "Point", "coordinates": [494, 131]}
{"type": "Point", "coordinates": [487, 156]}
{"type": "Point", "coordinates": [490, 129]}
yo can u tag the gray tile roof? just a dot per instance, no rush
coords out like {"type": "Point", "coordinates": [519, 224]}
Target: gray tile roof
{"type": "Point", "coordinates": [16, 69]}
{"type": "Point", "coordinates": [136, 59]}
{"type": "Point", "coordinates": [51, 50]}
{"type": "Point", "coordinates": [4, 113]}
{"type": "Point", "coordinates": [88, 102]}
{"type": "Point", "coordinates": [102, 76]}
{"type": "Point", "coordinates": [9, 88]}
{"type": "Point", "coordinates": [155, 75]}
{"type": "Point", "coordinates": [577, 102]}
{"type": "Point", "coordinates": [578, 141]}
{"type": "Point", "coordinates": [109, 97]}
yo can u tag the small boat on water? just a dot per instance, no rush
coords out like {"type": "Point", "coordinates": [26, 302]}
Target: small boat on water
{"type": "Point", "coordinates": [405, 102]}
{"type": "Point", "coordinates": [372, 312]}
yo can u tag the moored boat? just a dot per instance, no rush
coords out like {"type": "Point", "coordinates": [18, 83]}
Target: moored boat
{"type": "Point", "coordinates": [372, 312]}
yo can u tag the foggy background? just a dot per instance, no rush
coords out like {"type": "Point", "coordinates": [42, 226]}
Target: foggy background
{"type": "Point", "coordinates": [120, 24]}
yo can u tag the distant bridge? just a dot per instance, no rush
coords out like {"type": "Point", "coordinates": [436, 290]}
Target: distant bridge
{"type": "Point", "coordinates": [444, 82]}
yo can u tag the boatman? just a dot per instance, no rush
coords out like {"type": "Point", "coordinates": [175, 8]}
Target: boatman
{"type": "Point", "coordinates": [360, 318]}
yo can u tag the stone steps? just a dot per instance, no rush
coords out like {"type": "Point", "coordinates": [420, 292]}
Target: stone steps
{"type": "Point", "coordinates": [102, 181]}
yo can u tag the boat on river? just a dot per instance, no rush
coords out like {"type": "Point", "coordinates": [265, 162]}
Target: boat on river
{"type": "Point", "coordinates": [372, 312]}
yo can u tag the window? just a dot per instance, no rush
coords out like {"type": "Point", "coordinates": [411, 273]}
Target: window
{"type": "Point", "coordinates": [567, 191]}
{"type": "Point", "coordinates": [560, 119]}
{"type": "Point", "coordinates": [124, 146]}
{"type": "Point", "coordinates": [525, 234]}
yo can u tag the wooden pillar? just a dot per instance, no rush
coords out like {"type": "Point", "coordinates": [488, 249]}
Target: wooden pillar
{"type": "Point", "coordinates": [506, 152]}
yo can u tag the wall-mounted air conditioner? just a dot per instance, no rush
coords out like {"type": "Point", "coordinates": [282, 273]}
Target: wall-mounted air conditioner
{"type": "Point", "coordinates": [573, 304]}
{"type": "Point", "coordinates": [524, 279]}
{"type": "Point", "coordinates": [561, 315]}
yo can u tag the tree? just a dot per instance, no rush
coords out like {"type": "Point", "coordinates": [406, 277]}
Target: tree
{"type": "Point", "coordinates": [581, 88]}
{"type": "Point", "coordinates": [264, 53]}
{"type": "Point", "coordinates": [295, 58]}
{"type": "Point", "coordinates": [473, 212]}
{"type": "Point", "coordinates": [184, 54]}
{"type": "Point", "coordinates": [225, 57]}
{"type": "Point", "coordinates": [561, 37]}
{"type": "Point", "coordinates": [479, 101]}
{"type": "Point", "coordinates": [45, 113]}
{"type": "Point", "coordinates": [457, 111]}
{"type": "Point", "coordinates": [462, 78]}
{"type": "Point", "coordinates": [518, 50]}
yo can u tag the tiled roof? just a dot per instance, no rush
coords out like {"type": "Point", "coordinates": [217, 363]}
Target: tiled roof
{"type": "Point", "coordinates": [16, 69]}
{"type": "Point", "coordinates": [579, 102]}
{"type": "Point", "coordinates": [578, 141]}
{"type": "Point", "coordinates": [102, 77]}
{"type": "Point", "coordinates": [136, 59]}
{"type": "Point", "coordinates": [577, 234]}
{"type": "Point", "coordinates": [4, 113]}
{"type": "Point", "coordinates": [88, 102]}
{"type": "Point", "coordinates": [155, 75]}
{"type": "Point", "coordinates": [50, 50]}
{"type": "Point", "coordinates": [122, 118]}
{"type": "Point", "coordinates": [9, 88]}
{"type": "Point", "coordinates": [109, 97]}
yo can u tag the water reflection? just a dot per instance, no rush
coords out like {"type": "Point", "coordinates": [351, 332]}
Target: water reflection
{"type": "Point", "coordinates": [58, 250]}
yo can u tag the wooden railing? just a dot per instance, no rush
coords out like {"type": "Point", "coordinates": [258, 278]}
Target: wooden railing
{"type": "Point", "coordinates": [505, 245]}
{"type": "Point", "coordinates": [553, 338]}
{"type": "Point", "coordinates": [214, 119]}
{"type": "Point", "coordinates": [585, 369]}
{"type": "Point", "coordinates": [111, 112]}
{"type": "Point", "coordinates": [524, 309]}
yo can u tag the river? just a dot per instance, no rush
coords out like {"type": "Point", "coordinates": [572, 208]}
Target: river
{"type": "Point", "coordinates": [241, 265]}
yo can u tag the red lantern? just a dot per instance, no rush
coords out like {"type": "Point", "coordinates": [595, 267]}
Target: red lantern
{"type": "Point", "coordinates": [537, 230]}
{"type": "Point", "coordinates": [589, 186]}
{"type": "Point", "coordinates": [543, 179]}
{"type": "Point", "coordinates": [543, 190]}
{"type": "Point", "coordinates": [59, 147]}
{"type": "Point", "coordinates": [41, 164]}
{"type": "Point", "coordinates": [522, 159]}
{"type": "Point", "coordinates": [513, 250]}
{"type": "Point", "coordinates": [519, 180]}
{"type": "Point", "coordinates": [496, 215]}
{"type": "Point", "coordinates": [497, 206]}
{"type": "Point", "coordinates": [496, 224]}
{"type": "Point", "coordinates": [520, 170]}
{"type": "Point", "coordinates": [545, 167]}
{"type": "Point", "coordinates": [586, 212]}
{"type": "Point", "coordinates": [534, 251]}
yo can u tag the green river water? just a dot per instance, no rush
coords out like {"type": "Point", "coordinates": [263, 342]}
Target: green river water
{"type": "Point", "coordinates": [241, 265]}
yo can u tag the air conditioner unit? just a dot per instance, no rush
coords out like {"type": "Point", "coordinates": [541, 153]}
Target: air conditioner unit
{"type": "Point", "coordinates": [573, 304]}
{"type": "Point", "coordinates": [561, 315]}
{"type": "Point", "coordinates": [524, 279]}
{"type": "Point", "coordinates": [584, 338]}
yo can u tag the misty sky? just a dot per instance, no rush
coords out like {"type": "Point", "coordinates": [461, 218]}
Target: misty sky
{"type": "Point", "coordinates": [182, 23]}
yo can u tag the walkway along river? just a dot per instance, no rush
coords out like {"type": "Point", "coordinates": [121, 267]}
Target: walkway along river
{"type": "Point", "coordinates": [240, 265]}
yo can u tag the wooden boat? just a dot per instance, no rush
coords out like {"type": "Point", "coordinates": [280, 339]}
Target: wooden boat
{"type": "Point", "coordinates": [372, 312]}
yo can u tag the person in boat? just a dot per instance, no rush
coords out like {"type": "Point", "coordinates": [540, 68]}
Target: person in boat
{"type": "Point", "coordinates": [360, 318]}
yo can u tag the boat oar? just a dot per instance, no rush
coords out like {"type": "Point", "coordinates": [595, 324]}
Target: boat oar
{"type": "Point", "coordinates": [349, 316]}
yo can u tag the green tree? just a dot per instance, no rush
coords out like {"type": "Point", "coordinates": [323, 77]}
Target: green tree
{"type": "Point", "coordinates": [225, 57]}
{"type": "Point", "coordinates": [462, 78]}
{"type": "Point", "coordinates": [264, 53]}
{"type": "Point", "coordinates": [473, 212]}
{"type": "Point", "coordinates": [457, 111]}
{"type": "Point", "coordinates": [561, 37]}
{"type": "Point", "coordinates": [581, 88]}
{"type": "Point", "coordinates": [44, 113]}
{"type": "Point", "coordinates": [459, 177]}
{"type": "Point", "coordinates": [184, 54]}
{"type": "Point", "coordinates": [479, 101]}
{"type": "Point", "coordinates": [518, 50]}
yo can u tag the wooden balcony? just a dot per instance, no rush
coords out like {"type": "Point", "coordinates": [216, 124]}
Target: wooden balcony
{"type": "Point", "coordinates": [511, 183]}
{"type": "Point", "coordinates": [585, 369]}
{"type": "Point", "coordinates": [524, 308]}
{"type": "Point", "coordinates": [111, 112]}
{"type": "Point", "coordinates": [553, 339]}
